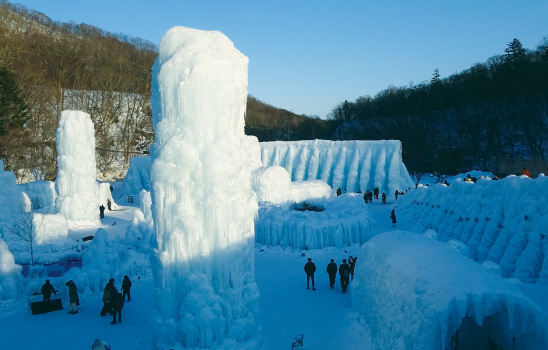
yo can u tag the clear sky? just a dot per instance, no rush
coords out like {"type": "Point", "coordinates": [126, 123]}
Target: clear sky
{"type": "Point", "coordinates": [307, 56]}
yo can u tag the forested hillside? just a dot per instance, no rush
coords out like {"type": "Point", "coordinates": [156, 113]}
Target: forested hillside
{"type": "Point", "coordinates": [493, 116]}
{"type": "Point", "coordinates": [47, 67]}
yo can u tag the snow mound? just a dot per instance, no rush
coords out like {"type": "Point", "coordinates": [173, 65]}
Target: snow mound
{"type": "Point", "coordinates": [11, 280]}
{"type": "Point", "coordinates": [411, 293]}
{"type": "Point", "coordinates": [315, 224]}
{"type": "Point", "coordinates": [500, 221]}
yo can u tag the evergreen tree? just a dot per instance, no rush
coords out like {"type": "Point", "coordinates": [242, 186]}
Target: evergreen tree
{"type": "Point", "coordinates": [13, 109]}
{"type": "Point", "coordinates": [514, 52]}
{"type": "Point", "coordinates": [435, 77]}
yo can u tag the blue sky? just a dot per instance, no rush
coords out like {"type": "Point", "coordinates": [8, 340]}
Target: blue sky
{"type": "Point", "coordinates": [308, 56]}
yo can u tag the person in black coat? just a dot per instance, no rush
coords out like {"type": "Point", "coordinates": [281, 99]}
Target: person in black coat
{"type": "Point", "coordinates": [107, 297]}
{"type": "Point", "coordinates": [332, 272]}
{"type": "Point", "coordinates": [344, 272]}
{"type": "Point", "coordinates": [310, 268]}
{"type": "Point", "coordinates": [352, 265]}
{"type": "Point", "coordinates": [47, 289]}
{"type": "Point", "coordinates": [393, 217]}
{"type": "Point", "coordinates": [126, 287]}
{"type": "Point", "coordinates": [102, 211]}
{"type": "Point", "coordinates": [116, 305]}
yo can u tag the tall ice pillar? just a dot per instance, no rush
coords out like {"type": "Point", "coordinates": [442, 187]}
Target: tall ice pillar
{"type": "Point", "coordinates": [203, 206]}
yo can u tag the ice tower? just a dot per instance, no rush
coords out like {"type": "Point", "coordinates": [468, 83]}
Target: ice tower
{"type": "Point", "coordinates": [202, 202]}
{"type": "Point", "coordinates": [76, 181]}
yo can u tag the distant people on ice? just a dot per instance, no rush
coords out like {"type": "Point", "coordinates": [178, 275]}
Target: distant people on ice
{"type": "Point", "coordinates": [109, 205]}
{"type": "Point", "coordinates": [396, 195]}
{"type": "Point", "coordinates": [383, 196]}
{"type": "Point", "coordinates": [526, 172]}
{"type": "Point", "coordinates": [126, 288]}
{"type": "Point", "coordinates": [446, 183]}
{"type": "Point", "coordinates": [339, 192]}
{"type": "Point", "coordinates": [344, 273]}
{"type": "Point", "coordinates": [107, 297]}
{"type": "Point", "coordinates": [74, 301]}
{"type": "Point", "coordinates": [46, 290]}
{"type": "Point", "coordinates": [393, 217]}
{"type": "Point", "coordinates": [376, 192]}
{"type": "Point", "coordinates": [352, 266]}
{"type": "Point", "coordinates": [98, 344]}
{"type": "Point", "coordinates": [102, 211]}
{"type": "Point", "coordinates": [310, 268]}
{"type": "Point", "coordinates": [332, 272]}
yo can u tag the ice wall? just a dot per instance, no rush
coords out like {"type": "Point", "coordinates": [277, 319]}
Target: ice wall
{"type": "Point", "coordinates": [137, 177]}
{"type": "Point", "coordinates": [500, 221]}
{"type": "Point", "coordinates": [202, 203]}
{"type": "Point", "coordinates": [76, 183]}
{"type": "Point", "coordinates": [411, 293]}
{"type": "Point", "coordinates": [351, 166]}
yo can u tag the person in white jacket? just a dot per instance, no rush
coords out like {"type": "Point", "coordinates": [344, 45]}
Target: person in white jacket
{"type": "Point", "coordinates": [98, 344]}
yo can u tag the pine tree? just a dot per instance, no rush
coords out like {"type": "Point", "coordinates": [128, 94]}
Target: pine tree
{"type": "Point", "coordinates": [514, 52]}
{"type": "Point", "coordinates": [435, 77]}
{"type": "Point", "coordinates": [13, 109]}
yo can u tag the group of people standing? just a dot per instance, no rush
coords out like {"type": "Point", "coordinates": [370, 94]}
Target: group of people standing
{"type": "Point", "coordinates": [113, 301]}
{"type": "Point", "coordinates": [346, 272]}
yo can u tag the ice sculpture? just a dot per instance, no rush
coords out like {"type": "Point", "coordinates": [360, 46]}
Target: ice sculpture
{"type": "Point", "coordinates": [76, 181]}
{"type": "Point", "coordinates": [414, 292]}
{"type": "Point", "coordinates": [202, 202]}
{"type": "Point", "coordinates": [351, 166]}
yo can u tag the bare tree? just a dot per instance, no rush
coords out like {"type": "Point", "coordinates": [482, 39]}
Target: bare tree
{"type": "Point", "coordinates": [21, 227]}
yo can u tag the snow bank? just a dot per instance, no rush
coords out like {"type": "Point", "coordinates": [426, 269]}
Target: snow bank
{"type": "Point", "coordinates": [500, 221]}
{"type": "Point", "coordinates": [11, 280]}
{"type": "Point", "coordinates": [42, 196]}
{"type": "Point", "coordinates": [202, 203]}
{"type": "Point", "coordinates": [351, 166]}
{"type": "Point", "coordinates": [274, 185]}
{"type": "Point", "coordinates": [49, 228]}
{"type": "Point", "coordinates": [12, 200]}
{"type": "Point", "coordinates": [76, 176]}
{"type": "Point", "coordinates": [340, 222]}
{"type": "Point", "coordinates": [415, 293]}
{"type": "Point", "coordinates": [140, 232]}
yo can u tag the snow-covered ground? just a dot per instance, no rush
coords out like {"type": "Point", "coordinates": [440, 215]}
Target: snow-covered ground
{"type": "Point", "coordinates": [326, 317]}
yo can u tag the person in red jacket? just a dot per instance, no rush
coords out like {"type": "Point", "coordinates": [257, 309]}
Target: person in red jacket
{"type": "Point", "coordinates": [526, 172]}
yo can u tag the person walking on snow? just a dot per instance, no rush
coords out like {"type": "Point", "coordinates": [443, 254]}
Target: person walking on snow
{"type": "Point", "coordinates": [352, 265]}
{"type": "Point", "coordinates": [310, 268]}
{"type": "Point", "coordinates": [74, 301]}
{"type": "Point", "coordinates": [344, 272]}
{"type": "Point", "coordinates": [126, 287]}
{"type": "Point", "coordinates": [393, 217]}
{"type": "Point", "coordinates": [383, 196]}
{"type": "Point", "coordinates": [107, 295]}
{"type": "Point", "coordinates": [116, 305]}
{"type": "Point", "coordinates": [102, 211]}
{"type": "Point", "coordinates": [332, 272]}
{"type": "Point", "coordinates": [376, 192]}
